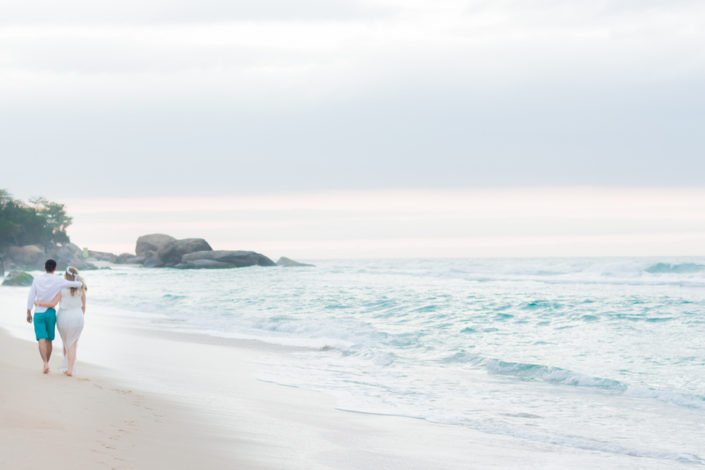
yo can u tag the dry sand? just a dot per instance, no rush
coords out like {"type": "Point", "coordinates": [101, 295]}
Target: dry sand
{"type": "Point", "coordinates": [85, 422]}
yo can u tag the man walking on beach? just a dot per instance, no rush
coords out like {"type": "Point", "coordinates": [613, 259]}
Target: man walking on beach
{"type": "Point", "coordinates": [44, 289]}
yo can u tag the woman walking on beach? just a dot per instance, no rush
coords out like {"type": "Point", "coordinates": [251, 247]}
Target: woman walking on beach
{"type": "Point", "coordinates": [69, 319]}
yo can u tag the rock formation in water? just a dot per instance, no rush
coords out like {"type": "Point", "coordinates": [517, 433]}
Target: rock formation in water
{"type": "Point", "coordinates": [26, 257]}
{"type": "Point", "coordinates": [290, 263]}
{"type": "Point", "coordinates": [172, 253]}
{"type": "Point", "coordinates": [18, 278]}
{"type": "Point", "coordinates": [102, 256]}
{"type": "Point", "coordinates": [159, 250]}
{"type": "Point", "coordinates": [223, 259]}
{"type": "Point", "coordinates": [32, 257]}
{"type": "Point", "coordinates": [147, 247]}
{"type": "Point", "coordinates": [126, 258]}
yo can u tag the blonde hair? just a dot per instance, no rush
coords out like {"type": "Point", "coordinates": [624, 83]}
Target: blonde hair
{"type": "Point", "coordinates": [75, 277]}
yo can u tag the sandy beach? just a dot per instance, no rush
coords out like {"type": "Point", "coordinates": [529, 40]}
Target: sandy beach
{"type": "Point", "coordinates": [157, 400]}
{"type": "Point", "coordinates": [89, 422]}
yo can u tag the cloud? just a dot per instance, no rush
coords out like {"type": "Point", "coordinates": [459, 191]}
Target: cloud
{"type": "Point", "coordinates": [182, 11]}
{"type": "Point", "coordinates": [343, 94]}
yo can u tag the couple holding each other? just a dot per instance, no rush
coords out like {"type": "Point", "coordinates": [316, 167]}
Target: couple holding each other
{"type": "Point", "coordinates": [69, 292]}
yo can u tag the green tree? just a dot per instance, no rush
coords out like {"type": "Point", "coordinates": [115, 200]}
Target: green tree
{"type": "Point", "coordinates": [55, 221]}
{"type": "Point", "coordinates": [40, 222]}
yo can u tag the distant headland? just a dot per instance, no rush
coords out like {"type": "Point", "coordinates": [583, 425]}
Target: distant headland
{"type": "Point", "coordinates": [31, 232]}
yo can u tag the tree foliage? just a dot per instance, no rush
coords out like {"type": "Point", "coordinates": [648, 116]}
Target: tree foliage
{"type": "Point", "coordinates": [39, 222]}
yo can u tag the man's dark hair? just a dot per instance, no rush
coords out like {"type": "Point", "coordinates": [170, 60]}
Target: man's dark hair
{"type": "Point", "coordinates": [50, 266]}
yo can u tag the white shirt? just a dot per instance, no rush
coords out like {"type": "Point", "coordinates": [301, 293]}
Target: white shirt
{"type": "Point", "coordinates": [44, 289]}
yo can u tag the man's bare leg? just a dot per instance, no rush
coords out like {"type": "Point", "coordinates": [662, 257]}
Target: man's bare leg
{"type": "Point", "coordinates": [45, 352]}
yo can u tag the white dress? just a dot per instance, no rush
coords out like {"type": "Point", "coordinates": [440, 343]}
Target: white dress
{"type": "Point", "coordinates": [69, 318]}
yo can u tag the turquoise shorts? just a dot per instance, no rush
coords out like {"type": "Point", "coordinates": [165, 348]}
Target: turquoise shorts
{"type": "Point", "coordinates": [44, 324]}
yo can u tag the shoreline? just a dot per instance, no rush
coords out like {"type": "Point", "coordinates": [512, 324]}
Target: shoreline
{"type": "Point", "coordinates": [154, 393]}
{"type": "Point", "coordinates": [88, 421]}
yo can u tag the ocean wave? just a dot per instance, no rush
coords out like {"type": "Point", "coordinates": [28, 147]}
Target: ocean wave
{"type": "Point", "coordinates": [560, 376]}
{"type": "Point", "coordinates": [541, 304]}
{"type": "Point", "coordinates": [593, 271]}
{"type": "Point", "coordinates": [684, 400]}
{"type": "Point", "coordinates": [463, 357]}
{"type": "Point", "coordinates": [536, 372]}
{"type": "Point", "coordinates": [553, 375]}
{"type": "Point", "coordinates": [681, 268]}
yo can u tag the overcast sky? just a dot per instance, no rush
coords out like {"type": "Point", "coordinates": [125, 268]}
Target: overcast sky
{"type": "Point", "coordinates": [183, 99]}
{"type": "Point", "coordinates": [179, 98]}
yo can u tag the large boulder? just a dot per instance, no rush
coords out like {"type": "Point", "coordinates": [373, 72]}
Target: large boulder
{"type": "Point", "coordinates": [27, 257]}
{"type": "Point", "coordinates": [204, 264]}
{"type": "Point", "coordinates": [171, 253]}
{"type": "Point", "coordinates": [151, 261]}
{"type": "Point", "coordinates": [67, 255]}
{"type": "Point", "coordinates": [102, 256]}
{"type": "Point", "coordinates": [127, 258]}
{"type": "Point", "coordinates": [149, 245]}
{"type": "Point", "coordinates": [33, 256]}
{"type": "Point", "coordinates": [223, 259]}
{"type": "Point", "coordinates": [18, 278]}
{"type": "Point", "coordinates": [290, 263]}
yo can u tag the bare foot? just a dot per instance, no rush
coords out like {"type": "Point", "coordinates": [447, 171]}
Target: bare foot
{"type": "Point", "coordinates": [46, 369]}
{"type": "Point", "coordinates": [68, 373]}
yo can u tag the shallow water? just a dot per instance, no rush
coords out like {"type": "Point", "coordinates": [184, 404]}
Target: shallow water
{"type": "Point", "coordinates": [599, 354]}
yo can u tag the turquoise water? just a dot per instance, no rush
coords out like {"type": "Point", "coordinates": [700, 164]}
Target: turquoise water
{"type": "Point", "coordinates": [599, 354]}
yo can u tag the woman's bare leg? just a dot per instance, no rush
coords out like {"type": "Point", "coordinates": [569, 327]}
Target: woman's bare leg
{"type": "Point", "coordinates": [72, 358]}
